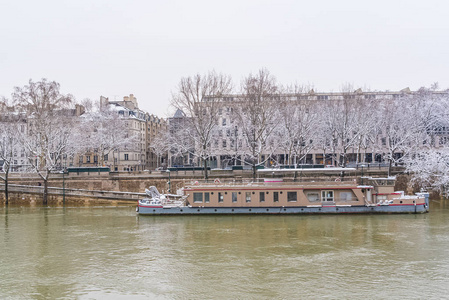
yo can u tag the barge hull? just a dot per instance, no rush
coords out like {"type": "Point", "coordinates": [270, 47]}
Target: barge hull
{"type": "Point", "coordinates": [362, 209]}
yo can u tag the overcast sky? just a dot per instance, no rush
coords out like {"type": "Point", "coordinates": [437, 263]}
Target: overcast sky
{"type": "Point", "coordinates": [115, 48]}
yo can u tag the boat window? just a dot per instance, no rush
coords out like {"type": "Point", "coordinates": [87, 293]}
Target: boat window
{"type": "Point", "coordinates": [248, 196]}
{"type": "Point", "coordinates": [346, 196]}
{"type": "Point", "coordinates": [220, 197]}
{"type": "Point", "coordinates": [327, 196]}
{"type": "Point", "coordinates": [261, 196]}
{"type": "Point", "coordinates": [292, 196]}
{"type": "Point", "coordinates": [206, 197]}
{"type": "Point", "coordinates": [198, 197]}
{"type": "Point", "coordinates": [275, 196]}
{"type": "Point", "coordinates": [234, 196]}
{"type": "Point", "coordinates": [313, 196]}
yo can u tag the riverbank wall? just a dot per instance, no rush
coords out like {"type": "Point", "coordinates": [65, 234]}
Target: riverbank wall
{"type": "Point", "coordinates": [100, 187]}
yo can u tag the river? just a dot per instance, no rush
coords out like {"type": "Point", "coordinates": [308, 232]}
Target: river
{"type": "Point", "coordinates": [110, 252]}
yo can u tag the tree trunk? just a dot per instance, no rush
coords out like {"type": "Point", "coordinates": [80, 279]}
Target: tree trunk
{"type": "Point", "coordinates": [45, 196]}
{"type": "Point", "coordinates": [6, 192]}
{"type": "Point", "coordinates": [389, 167]}
{"type": "Point", "coordinates": [205, 168]}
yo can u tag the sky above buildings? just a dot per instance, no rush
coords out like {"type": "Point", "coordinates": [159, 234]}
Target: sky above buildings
{"type": "Point", "coordinates": [116, 48]}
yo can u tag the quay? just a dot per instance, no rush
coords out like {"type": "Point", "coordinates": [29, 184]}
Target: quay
{"type": "Point", "coordinates": [128, 187]}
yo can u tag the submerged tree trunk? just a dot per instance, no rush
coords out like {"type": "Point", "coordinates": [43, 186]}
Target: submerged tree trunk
{"type": "Point", "coordinates": [5, 180]}
{"type": "Point", "coordinates": [6, 191]}
{"type": "Point", "coordinates": [45, 195]}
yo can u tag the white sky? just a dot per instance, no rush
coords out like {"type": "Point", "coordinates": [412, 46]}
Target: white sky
{"type": "Point", "coordinates": [115, 48]}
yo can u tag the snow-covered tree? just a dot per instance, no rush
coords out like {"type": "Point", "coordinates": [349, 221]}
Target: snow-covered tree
{"type": "Point", "coordinates": [49, 126]}
{"type": "Point", "coordinates": [200, 97]}
{"type": "Point", "coordinates": [430, 169]}
{"type": "Point", "coordinates": [104, 132]}
{"type": "Point", "coordinates": [404, 127]}
{"type": "Point", "coordinates": [256, 114]}
{"type": "Point", "coordinates": [9, 147]}
{"type": "Point", "coordinates": [297, 127]}
{"type": "Point", "coordinates": [160, 145]}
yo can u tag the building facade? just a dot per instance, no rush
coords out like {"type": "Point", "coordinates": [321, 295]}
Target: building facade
{"type": "Point", "coordinates": [229, 143]}
{"type": "Point", "coordinates": [134, 154]}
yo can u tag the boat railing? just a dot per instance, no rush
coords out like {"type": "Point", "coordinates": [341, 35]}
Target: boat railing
{"type": "Point", "coordinates": [262, 182]}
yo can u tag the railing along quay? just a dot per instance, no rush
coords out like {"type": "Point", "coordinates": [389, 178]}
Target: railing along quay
{"type": "Point", "coordinates": [114, 195]}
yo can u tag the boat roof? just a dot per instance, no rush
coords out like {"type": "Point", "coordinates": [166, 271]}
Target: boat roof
{"type": "Point", "coordinates": [309, 170]}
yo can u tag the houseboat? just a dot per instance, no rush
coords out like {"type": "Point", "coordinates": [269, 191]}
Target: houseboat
{"type": "Point", "coordinates": [276, 196]}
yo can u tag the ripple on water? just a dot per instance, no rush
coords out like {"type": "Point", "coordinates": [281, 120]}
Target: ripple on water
{"type": "Point", "coordinates": [112, 253]}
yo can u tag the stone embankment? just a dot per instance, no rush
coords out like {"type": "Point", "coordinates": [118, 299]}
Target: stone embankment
{"type": "Point", "coordinates": [128, 187]}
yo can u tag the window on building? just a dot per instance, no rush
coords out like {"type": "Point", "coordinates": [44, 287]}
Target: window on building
{"type": "Point", "coordinates": [262, 196]}
{"type": "Point", "coordinates": [95, 158]}
{"type": "Point", "coordinates": [224, 143]}
{"type": "Point", "coordinates": [275, 196]}
{"type": "Point", "coordinates": [234, 197]}
{"type": "Point", "coordinates": [105, 157]}
{"type": "Point", "coordinates": [220, 197]}
{"type": "Point", "coordinates": [384, 141]}
{"type": "Point", "coordinates": [81, 159]}
{"type": "Point", "coordinates": [292, 196]}
{"type": "Point", "coordinates": [224, 122]}
{"type": "Point", "coordinates": [206, 197]}
{"type": "Point", "coordinates": [248, 197]}
{"type": "Point", "coordinates": [126, 157]}
{"type": "Point", "coordinates": [88, 159]}
{"type": "Point", "coordinates": [198, 197]}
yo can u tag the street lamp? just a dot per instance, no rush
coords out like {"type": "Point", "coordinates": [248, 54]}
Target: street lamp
{"type": "Point", "coordinates": [169, 181]}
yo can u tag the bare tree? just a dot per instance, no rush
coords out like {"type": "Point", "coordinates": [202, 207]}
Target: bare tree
{"type": "Point", "coordinates": [9, 147]}
{"type": "Point", "coordinates": [104, 132]}
{"type": "Point", "coordinates": [298, 127]}
{"type": "Point", "coordinates": [403, 128]}
{"type": "Point", "coordinates": [88, 104]}
{"type": "Point", "coordinates": [256, 115]}
{"type": "Point", "coordinates": [49, 128]}
{"type": "Point", "coordinates": [199, 97]}
{"type": "Point", "coordinates": [160, 145]}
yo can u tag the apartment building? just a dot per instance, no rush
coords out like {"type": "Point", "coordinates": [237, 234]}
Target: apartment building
{"type": "Point", "coordinates": [134, 154]}
{"type": "Point", "coordinates": [229, 145]}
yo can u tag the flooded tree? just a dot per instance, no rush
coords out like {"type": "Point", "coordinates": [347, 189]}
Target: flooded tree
{"type": "Point", "coordinates": [9, 143]}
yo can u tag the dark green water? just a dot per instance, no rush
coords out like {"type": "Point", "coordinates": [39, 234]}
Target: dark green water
{"type": "Point", "coordinates": [111, 253]}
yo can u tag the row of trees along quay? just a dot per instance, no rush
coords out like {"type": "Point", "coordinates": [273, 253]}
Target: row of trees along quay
{"type": "Point", "coordinates": [253, 123]}
{"type": "Point", "coordinates": [46, 127]}
{"type": "Point", "coordinates": [256, 122]}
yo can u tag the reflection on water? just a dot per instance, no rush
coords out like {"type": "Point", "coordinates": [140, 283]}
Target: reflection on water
{"type": "Point", "coordinates": [86, 253]}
